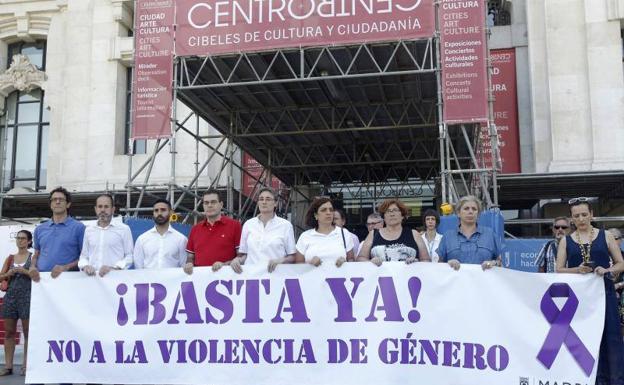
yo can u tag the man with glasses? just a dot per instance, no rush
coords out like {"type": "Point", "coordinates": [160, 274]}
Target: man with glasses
{"type": "Point", "coordinates": [374, 221]}
{"type": "Point", "coordinates": [214, 241]}
{"type": "Point", "coordinates": [58, 241]}
{"type": "Point", "coordinates": [546, 259]}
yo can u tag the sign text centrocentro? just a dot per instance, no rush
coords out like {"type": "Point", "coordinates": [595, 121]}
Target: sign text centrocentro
{"type": "Point", "coordinates": [228, 26]}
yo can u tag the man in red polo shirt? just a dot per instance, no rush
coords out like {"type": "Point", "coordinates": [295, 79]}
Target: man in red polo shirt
{"type": "Point", "coordinates": [212, 242]}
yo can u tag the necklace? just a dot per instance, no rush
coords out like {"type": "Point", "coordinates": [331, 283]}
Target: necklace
{"type": "Point", "coordinates": [585, 251]}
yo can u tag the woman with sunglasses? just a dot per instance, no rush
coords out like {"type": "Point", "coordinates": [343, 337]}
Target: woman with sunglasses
{"type": "Point", "coordinates": [589, 250]}
{"type": "Point", "coordinates": [393, 242]}
{"type": "Point", "coordinates": [324, 242]}
{"type": "Point", "coordinates": [16, 302]}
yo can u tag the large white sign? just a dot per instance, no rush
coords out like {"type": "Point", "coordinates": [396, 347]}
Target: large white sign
{"type": "Point", "coordinates": [358, 324]}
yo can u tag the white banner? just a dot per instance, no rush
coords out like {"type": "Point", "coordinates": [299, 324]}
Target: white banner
{"type": "Point", "coordinates": [359, 324]}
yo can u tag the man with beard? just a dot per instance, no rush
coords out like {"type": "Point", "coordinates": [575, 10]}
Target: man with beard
{"type": "Point", "coordinates": [107, 246]}
{"type": "Point", "coordinates": [162, 246]}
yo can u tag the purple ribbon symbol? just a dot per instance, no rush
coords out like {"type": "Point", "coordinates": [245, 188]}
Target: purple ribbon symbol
{"type": "Point", "coordinates": [560, 330]}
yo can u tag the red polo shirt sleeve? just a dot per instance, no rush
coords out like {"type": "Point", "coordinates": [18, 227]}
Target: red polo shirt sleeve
{"type": "Point", "coordinates": [190, 245]}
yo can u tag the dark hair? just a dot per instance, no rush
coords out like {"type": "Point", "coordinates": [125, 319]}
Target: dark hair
{"type": "Point", "coordinates": [383, 207]}
{"type": "Point", "coordinates": [342, 214]}
{"type": "Point", "coordinates": [269, 190]}
{"type": "Point", "coordinates": [63, 191]}
{"type": "Point", "coordinates": [107, 195]}
{"type": "Point", "coordinates": [431, 213]}
{"type": "Point", "coordinates": [310, 221]}
{"type": "Point", "coordinates": [28, 235]}
{"type": "Point", "coordinates": [212, 191]}
{"type": "Point", "coordinates": [578, 203]}
{"type": "Point", "coordinates": [160, 200]}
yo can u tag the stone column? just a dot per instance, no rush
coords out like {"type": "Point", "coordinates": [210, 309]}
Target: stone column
{"type": "Point", "coordinates": [606, 86]}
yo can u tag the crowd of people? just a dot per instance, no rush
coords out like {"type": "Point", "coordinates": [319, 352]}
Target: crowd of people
{"type": "Point", "coordinates": [64, 244]}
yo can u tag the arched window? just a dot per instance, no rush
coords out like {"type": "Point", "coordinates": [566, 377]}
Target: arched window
{"type": "Point", "coordinates": [25, 127]}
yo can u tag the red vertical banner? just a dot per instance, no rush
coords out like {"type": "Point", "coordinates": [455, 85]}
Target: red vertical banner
{"type": "Point", "coordinates": [505, 112]}
{"type": "Point", "coordinates": [463, 53]}
{"type": "Point", "coordinates": [153, 69]}
{"type": "Point", "coordinates": [254, 170]}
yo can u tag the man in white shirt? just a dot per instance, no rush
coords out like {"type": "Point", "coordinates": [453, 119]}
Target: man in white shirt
{"type": "Point", "coordinates": [106, 246]}
{"type": "Point", "coordinates": [162, 246]}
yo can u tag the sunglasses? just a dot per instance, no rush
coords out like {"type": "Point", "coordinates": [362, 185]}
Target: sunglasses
{"type": "Point", "coordinates": [579, 200]}
{"type": "Point", "coordinates": [561, 227]}
{"type": "Point", "coordinates": [372, 223]}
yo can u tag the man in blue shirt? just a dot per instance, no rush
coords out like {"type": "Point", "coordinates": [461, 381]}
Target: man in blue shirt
{"type": "Point", "coordinates": [57, 242]}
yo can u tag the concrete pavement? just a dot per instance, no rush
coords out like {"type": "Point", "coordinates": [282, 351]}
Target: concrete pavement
{"type": "Point", "coordinates": [14, 379]}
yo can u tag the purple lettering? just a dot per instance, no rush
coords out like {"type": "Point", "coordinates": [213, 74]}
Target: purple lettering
{"type": "Point", "coordinates": [191, 307]}
{"type": "Point", "coordinates": [297, 308]}
{"type": "Point", "coordinates": [219, 301]}
{"type": "Point", "coordinates": [344, 299]}
{"type": "Point", "coordinates": [390, 301]}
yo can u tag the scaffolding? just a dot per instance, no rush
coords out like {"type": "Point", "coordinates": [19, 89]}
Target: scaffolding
{"type": "Point", "coordinates": [363, 119]}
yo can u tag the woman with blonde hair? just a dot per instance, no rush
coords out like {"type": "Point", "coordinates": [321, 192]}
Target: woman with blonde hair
{"type": "Point", "coordinates": [470, 243]}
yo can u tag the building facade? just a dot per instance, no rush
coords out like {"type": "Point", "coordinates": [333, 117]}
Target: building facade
{"type": "Point", "coordinates": [66, 121]}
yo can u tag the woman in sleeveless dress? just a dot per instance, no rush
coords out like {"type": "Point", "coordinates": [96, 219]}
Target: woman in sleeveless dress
{"type": "Point", "coordinates": [590, 250]}
{"type": "Point", "coordinates": [393, 242]}
{"type": "Point", "coordinates": [16, 302]}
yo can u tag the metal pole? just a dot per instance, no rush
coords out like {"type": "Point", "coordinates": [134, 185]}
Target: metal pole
{"type": "Point", "coordinates": [172, 143]}
{"type": "Point", "coordinates": [195, 202]}
{"type": "Point", "coordinates": [128, 188]}
{"type": "Point", "coordinates": [491, 125]}
{"type": "Point", "coordinates": [482, 181]}
{"type": "Point", "coordinates": [131, 118]}
{"type": "Point", "coordinates": [447, 140]}
{"type": "Point", "coordinates": [441, 126]}
{"type": "Point", "coordinates": [230, 171]}
{"type": "Point", "coordinates": [147, 176]}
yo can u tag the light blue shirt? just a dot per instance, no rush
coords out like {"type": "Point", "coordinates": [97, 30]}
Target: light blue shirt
{"type": "Point", "coordinates": [482, 246]}
{"type": "Point", "coordinates": [58, 243]}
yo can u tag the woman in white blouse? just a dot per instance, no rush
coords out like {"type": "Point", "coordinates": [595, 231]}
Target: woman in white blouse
{"type": "Point", "coordinates": [324, 242]}
{"type": "Point", "coordinates": [432, 238]}
{"type": "Point", "coordinates": [266, 238]}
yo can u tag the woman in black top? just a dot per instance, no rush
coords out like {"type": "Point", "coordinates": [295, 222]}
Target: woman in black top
{"type": "Point", "coordinates": [393, 242]}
